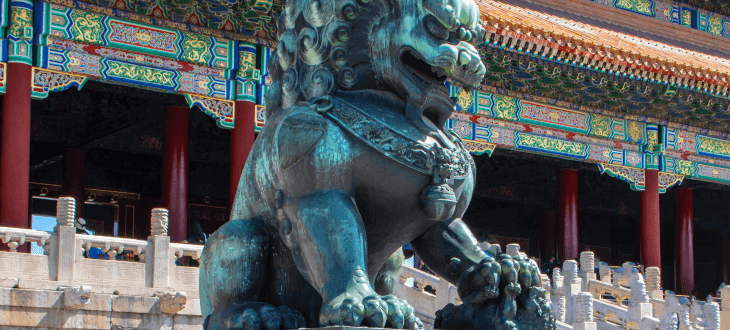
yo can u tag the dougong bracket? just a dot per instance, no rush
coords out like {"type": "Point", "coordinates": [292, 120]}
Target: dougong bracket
{"type": "Point", "coordinates": [479, 148]}
{"type": "Point", "coordinates": [633, 176]}
{"type": "Point", "coordinates": [668, 180]}
{"type": "Point", "coordinates": [220, 109]}
{"type": "Point", "coordinates": [46, 81]}
{"type": "Point", "coordinates": [636, 177]}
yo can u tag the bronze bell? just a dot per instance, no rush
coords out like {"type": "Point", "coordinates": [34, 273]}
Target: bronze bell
{"type": "Point", "coordinates": [438, 201]}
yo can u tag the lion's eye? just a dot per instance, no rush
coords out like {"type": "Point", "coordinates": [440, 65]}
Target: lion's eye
{"type": "Point", "coordinates": [436, 29]}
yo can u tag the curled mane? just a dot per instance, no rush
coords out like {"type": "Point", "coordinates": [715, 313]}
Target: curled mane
{"type": "Point", "coordinates": [323, 46]}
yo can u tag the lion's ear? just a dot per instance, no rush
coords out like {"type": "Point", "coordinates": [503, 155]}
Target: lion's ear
{"type": "Point", "coordinates": [297, 136]}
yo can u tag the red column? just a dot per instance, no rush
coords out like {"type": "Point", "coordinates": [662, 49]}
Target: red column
{"type": "Point", "coordinates": [568, 214]}
{"type": "Point", "coordinates": [242, 138]}
{"type": "Point", "coordinates": [684, 257]}
{"type": "Point", "coordinates": [175, 170]}
{"type": "Point", "coordinates": [15, 147]}
{"type": "Point", "coordinates": [548, 235]}
{"type": "Point", "coordinates": [649, 231]}
{"type": "Point", "coordinates": [74, 178]}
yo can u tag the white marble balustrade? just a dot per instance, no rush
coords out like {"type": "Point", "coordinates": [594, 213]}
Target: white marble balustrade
{"type": "Point", "coordinates": [623, 299]}
{"type": "Point", "coordinates": [64, 289]}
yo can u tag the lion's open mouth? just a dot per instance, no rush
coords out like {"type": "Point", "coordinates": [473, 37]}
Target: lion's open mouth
{"type": "Point", "coordinates": [437, 105]}
{"type": "Point", "coordinates": [422, 69]}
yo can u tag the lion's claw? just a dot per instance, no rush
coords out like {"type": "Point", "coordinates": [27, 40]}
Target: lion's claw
{"type": "Point", "coordinates": [351, 312]}
{"type": "Point", "coordinates": [374, 311]}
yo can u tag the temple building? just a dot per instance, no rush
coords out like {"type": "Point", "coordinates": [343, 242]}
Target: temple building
{"type": "Point", "coordinates": [601, 125]}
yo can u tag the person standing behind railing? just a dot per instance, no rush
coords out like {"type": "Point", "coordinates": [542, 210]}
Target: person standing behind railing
{"type": "Point", "coordinates": [93, 252]}
{"type": "Point", "coordinates": [548, 266]}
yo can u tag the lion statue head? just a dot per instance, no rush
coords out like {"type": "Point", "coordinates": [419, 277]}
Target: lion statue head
{"type": "Point", "coordinates": [409, 48]}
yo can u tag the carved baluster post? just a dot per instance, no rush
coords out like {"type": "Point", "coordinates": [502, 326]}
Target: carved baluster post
{"type": "Point", "coordinates": [572, 286]}
{"type": "Point", "coordinates": [669, 318]}
{"type": "Point", "coordinates": [62, 250]}
{"type": "Point", "coordinates": [654, 282]}
{"type": "Point", "coordinates": [587, 268]}
{"type": "Point", "coordinates": [583, 303]}
{"type": "Point", "coordinates": [605, 272]}
{"type": "Point", "coordinates": [558, 295]}
{"type": "Point", "coordinates": [157, 259]}
{"type": "Point", "coordinates": [711, 310]}
{"type": "Point", "coordinates": [685, 320]}
{"type": "Point", "coordinates": [640, 305]}
{"type": "Point", "coordinates": [724, 297]}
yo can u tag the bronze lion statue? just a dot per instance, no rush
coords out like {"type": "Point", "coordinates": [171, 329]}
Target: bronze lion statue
{"type": "Point", "coordinates": [355, 161]}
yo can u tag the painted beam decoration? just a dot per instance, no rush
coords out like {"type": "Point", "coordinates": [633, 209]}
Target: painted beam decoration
{"type": "Point", "coordinates": [677, 13]}
{"type": "Point", "coordinates": [533, 127]}
{"type": "Point", "coordinates": [95, 29]}
{"type": "Point", "coordinates": [75, 45]}
{"type": "Point", "coordinates": [135, 54]}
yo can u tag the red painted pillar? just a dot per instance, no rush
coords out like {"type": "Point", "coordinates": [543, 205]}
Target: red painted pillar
{"type": "Point", "coordinates": [74, 178]}
{"type": "Point", "coordinates": [15, 147]}
{"type": "Point", "coordinates": [568, 214]}
{"type": "Point", "coordinates": [649, 231]}
{"type": "Point", "coordinates": [175, 170]}
{"type": "Point", "coordinates": [684, 256]}
{"type": "Point", "coordinates": [242, 138]}
{"type": "Point", "coordinates": [548, 235]}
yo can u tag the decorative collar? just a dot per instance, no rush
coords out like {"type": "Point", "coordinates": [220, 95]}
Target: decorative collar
{"type": "Point", "coordinates": [428, 159]}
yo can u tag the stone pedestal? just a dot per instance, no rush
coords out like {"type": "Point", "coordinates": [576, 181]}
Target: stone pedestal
{"type": "Point", "coordinates": [585, 326]}
{"type": "Point", "coordinates": [571, 290]}
{"type": "Point", "coordinates": [157, 262]}
{"type": "Point", "coordinates": [638, 311]}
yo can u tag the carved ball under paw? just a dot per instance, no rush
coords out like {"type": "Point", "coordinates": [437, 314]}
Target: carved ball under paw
{"type": "Point", "coordinates": [537, 313]}
{"type": "Point", "coordinates": [519, 303]}
{"type": "Point", "coordinates": [460, 317]}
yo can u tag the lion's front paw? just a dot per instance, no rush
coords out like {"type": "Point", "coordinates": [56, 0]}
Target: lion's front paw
{"type": "Point", "coordinates": [481, 282]}
{"type": "Point", "coordinates": [256, 316]}
{"type": "Point", "coordinates": [374, 311]}
{"type": "Point", "coordinates": [401, 314]}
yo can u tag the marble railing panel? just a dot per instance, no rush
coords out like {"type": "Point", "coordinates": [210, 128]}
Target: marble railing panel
{"type": "Point", "coordinates": [597, 288]}
{"type": "Point", "coordinates": [110, 272]}
{"type": "Point", "coordinates": [23, 265]}
{"type": "Point", "coordinates": [610, 312]}
{"type": "Point", "coordinates": [185, 278]}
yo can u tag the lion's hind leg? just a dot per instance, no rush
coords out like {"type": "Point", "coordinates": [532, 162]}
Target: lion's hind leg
{"type": "Point", "coordinates": [233, 273]}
